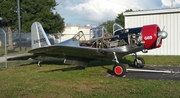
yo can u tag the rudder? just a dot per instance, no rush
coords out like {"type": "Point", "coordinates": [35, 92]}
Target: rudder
{"type": "Point", "coordinates": [38, 36]}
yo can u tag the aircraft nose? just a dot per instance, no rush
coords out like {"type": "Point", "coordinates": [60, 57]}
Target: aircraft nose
{"type": "Point", "coordinates": [163, 34]}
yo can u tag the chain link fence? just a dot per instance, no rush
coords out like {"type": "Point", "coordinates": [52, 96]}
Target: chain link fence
{"type": "Point", "coordinates": [16, 44]}
{"type": "Point", "coordinates": [13, 45]}
{"type": "Point", "coordinates": [3, 50]}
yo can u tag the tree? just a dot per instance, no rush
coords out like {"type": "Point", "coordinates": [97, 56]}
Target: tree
{"type": "Point", "coordinates": [120, 18]}
{"type": "Point", "coordinates": [41, 11]}
{"type": "Point", "coordinates": [108, 25]}
{"type": "Point", "coordinates": [31, 11]}
{"type": "Point", "coordinates": [8, 15]}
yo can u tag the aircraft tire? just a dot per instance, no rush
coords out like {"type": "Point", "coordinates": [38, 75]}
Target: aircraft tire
{"type": "Point", "coordinates": [119, 70]}
{"type": "Point", "coordinates": [141, 64]}
{"type": "Point", "coordinates": [39, 64]}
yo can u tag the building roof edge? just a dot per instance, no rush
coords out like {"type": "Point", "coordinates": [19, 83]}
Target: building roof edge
{"type": "Point", "coordinates": [154, 11]}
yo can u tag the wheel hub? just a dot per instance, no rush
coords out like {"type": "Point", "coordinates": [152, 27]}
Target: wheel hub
{"type": "Point", "coordinates": [118, 70]}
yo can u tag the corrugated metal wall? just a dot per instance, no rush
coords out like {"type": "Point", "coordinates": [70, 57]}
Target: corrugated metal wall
{"type": "Point", "coordinates": [171, 21]}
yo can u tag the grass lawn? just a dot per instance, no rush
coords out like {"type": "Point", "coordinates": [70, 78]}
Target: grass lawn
{"type": "Point", "coordinates": [64, 81]}
{"type": "Point", "coordinates": [155, 60]}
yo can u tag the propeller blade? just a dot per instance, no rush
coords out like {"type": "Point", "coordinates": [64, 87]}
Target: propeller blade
{"type": "Point", "coordinates": [158, 40]}
{"type": "Point", "coordinates": [161, 35]}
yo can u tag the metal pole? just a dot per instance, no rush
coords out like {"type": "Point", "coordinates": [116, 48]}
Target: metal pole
{"type": "Point", "coordinates": [19, 24]}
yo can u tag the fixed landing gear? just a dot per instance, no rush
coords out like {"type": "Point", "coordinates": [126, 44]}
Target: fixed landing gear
{"type": "Point", "coordinates": [139, 62]}
{"type": "Point", "coordinates": [39, 64]}
{"type": "Point", "coordinates": [118, 69]}
{"type": "Point", "coordinates": [39, 59]}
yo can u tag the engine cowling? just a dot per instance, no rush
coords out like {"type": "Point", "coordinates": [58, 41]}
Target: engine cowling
{"type": "Point", "coordinates": [150, 36]}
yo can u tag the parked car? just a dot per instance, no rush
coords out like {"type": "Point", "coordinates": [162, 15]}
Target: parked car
{"type": "Point", "coordinates": [25, 42]}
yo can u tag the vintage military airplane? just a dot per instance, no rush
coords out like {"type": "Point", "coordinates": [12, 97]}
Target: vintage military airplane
{"type": "Point", "coordinates": [101, 46]}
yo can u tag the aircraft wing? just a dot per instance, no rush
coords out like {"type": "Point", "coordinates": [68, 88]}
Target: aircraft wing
{"type": "Point", "coordinates": [61, 51]}
{"type": "Point", "coordinates": [75, 55]}
{"type": "Point", "coordinates": [21, 57]}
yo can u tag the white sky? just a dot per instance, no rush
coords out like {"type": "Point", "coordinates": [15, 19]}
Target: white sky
{"type": "Point", "coordinates": [94, 12]}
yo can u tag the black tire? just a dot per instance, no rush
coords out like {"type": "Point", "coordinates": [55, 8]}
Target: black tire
{"type": "Point", "coordinates": [140, 64]}
{"type": "Point", "coordinates": [119, 70]}
{"type": "Point", "coordinates": [39, 64]}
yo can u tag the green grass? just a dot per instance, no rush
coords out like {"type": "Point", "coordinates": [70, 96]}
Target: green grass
{"type": "Point", "coordinates": [155, 60]}
{"type": "Point", "coordinates": [52, 81]}
{"type": "Point", "coordinates": [26, 80]}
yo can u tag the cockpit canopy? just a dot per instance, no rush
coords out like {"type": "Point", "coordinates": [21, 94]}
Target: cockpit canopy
{"type": "Point", "coordinates": [98, 32]}
{"type": "Point", "coordinates": [117, 27]}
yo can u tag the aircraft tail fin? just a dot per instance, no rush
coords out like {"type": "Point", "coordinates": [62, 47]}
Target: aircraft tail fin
{"type": "Point", "coordinates": [38, 36]}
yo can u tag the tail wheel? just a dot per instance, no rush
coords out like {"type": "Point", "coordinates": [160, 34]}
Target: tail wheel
{"type": "Point", "coordinates": [139, 62]}
{"type": "Point", "coordinates": [119, 70]}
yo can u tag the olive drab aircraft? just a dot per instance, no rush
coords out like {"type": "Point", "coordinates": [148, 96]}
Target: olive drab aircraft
{"type": "Point", "coordinates": [101, 46]}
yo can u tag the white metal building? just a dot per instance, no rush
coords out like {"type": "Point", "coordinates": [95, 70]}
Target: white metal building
{"type": "Point", "coordinates": [71, 31]}
{"type": "Point", "coordinates": [168, 18]}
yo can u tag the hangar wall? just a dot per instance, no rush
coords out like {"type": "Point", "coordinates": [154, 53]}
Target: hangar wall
{"type": "Point", "coordinates": [168, 18]}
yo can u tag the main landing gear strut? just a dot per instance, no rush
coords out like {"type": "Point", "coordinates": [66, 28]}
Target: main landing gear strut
{"type": "Point", "coordinates": [39, 61]}
{"type": "Point", "coordinates": [138, 61]}
{"type": "Point", "coordinates": [118, 69]}
{"type": "Point", "coordinates": [39, 64]}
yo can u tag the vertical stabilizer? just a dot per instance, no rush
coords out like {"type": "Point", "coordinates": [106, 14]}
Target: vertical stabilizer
{"type": "Point", "coordinates": [38, 36]}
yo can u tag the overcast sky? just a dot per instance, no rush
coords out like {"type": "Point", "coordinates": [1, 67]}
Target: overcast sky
{"type": "Point", "coordinates": [94, 12]}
